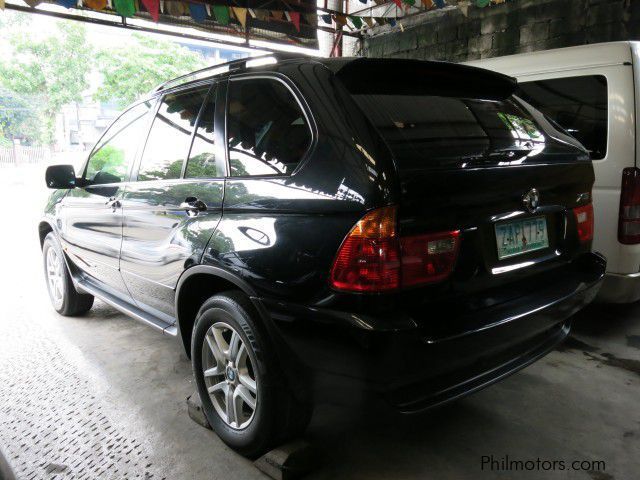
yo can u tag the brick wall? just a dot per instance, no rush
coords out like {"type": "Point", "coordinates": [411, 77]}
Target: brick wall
{"type": "Point", "coordinates": [512, 27]}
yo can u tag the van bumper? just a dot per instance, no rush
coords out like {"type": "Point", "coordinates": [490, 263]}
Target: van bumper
{"type": "Point", "coordinates": [413, 370]}
{"type": "Point", "coordinates": [620, 288]}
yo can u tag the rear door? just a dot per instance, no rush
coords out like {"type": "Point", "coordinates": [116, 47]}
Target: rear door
{"type": "Point", "coordinates": [174, 205]}
{"type": "Point", "coordinates": [473, 165]}
{"type": "Point", "coordinates": [91, 216]}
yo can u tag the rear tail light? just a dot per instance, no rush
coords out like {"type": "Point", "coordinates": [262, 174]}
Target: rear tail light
{"type": "Point", "coordinates": [629, 220]}
{"type": "Point", "coordinates": [372, 258]}
{"type": "Point", "coordinates": [428, 258]}
{"type": "Point", "coordinates": [369, 257]}
{"type": "Point", "coordinates": [584, 222]}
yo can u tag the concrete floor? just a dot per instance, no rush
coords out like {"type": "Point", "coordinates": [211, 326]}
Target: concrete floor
{"type": "Point", "coordinates": [102, 396]}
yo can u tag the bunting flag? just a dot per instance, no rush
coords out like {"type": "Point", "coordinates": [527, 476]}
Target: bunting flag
{"type": "Point", "coordinates": [222, 14]}
{"type": "Point", "coordinates": [410, 3]}
{"type": "Point", "coordinates": [95, 4]}
{"type": "Point", "coordinates": [357, 21]}
{"type": "Point", "coordinates": [125, 8]}
{"type": "Point", "coordinates": [241, 15]}
{"type": "Point", "coordinates": [295, 19]}
{"type": "Point", "coordinates": [153, 7]}
{"type": "Point", "coordinates": [1, 4]}
{"type": "Point", "coordinates": [197, 12]}
{"type": "Point", "coordinates": [33, 3]}
{"type": "Point", "coordinates": [326, 19]}
{"type": "Point", "coordinates": [464, 7]}
{"type": "Point", "coordinates": [398, 3]}
{"type": "Point", "coordinates": [441, 3]}
{"type": "Point", "coordinates": [341, 20]}
{"type": "Point", "coordinates": [482, 3]}
{"type": "Point", "coordinates": [380, 2]}
{"type": "Point", "coordinates": [262, 15]}
{"type": "Point", "coordinates": [67, 3]}
{"type": "Point", "coordinates": [427, 4]}
{"type": "Point", "coordinates": [369, 21]}
{"type": "Point", "coordinates": [277, 14]}
{"type": "Point", "coordinates": [311, 19]}
{"type": "Point", "coordinates": [176, 9]}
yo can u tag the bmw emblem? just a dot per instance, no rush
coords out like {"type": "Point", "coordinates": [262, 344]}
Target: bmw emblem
{"type": "Point", "coordinates": [531, 200]}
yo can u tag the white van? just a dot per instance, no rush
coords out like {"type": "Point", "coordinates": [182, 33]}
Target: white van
{"type": "Point", "coordinates": [590, 91]}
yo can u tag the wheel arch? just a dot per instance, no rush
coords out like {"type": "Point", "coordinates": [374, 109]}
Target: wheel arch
{"type": "Point", "coordinates": [195, 286]}
{"type": "Point", "coordinates": [44, 228]}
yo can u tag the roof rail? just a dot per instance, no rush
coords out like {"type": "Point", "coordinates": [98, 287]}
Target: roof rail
{"type": "Point", "coordinates": [233, 65]}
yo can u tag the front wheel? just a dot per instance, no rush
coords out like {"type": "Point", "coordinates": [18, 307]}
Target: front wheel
{"type": "Point", "coordinates": [238, 378]}
{"type": "Point", "coordinates": [63, 295]}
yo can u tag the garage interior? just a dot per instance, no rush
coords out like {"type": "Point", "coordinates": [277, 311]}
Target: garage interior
{"type": "Point", "coordinates": [102, 396]}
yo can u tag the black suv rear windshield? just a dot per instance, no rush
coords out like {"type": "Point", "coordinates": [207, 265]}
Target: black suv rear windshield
{"type": "Point", "coordinates": [433, 131]}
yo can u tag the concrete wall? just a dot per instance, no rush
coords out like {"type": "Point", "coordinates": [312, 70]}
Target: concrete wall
{"type": "Point", "coordinates": [512, 27]}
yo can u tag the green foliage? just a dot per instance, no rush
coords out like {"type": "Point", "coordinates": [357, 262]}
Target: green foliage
{"type": "Point", "coordinates": [53, 70]}
{"type": "Point", "coordinates": [128, 72]}
{"type": "Point", "coordinates": [18, 118]}
{"type": "Point", "coordinates": [107, 158]}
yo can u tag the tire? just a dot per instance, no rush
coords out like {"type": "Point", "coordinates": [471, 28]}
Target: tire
{"type": "Point", "coordinates": [276, 416]}
{"type": "Point", "coordinates": [63, 295]}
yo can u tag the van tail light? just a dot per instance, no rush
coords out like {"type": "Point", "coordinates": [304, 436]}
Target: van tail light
{"type": "Point", "coordinates": [584, 222]}
{"type": "Point", "coordinates": [372, 258]}
{"type": "Point", "coordinates": [629, 219]}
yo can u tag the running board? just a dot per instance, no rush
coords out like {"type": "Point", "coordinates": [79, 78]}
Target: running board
{"type": "Point", "coordinates": [127, 308]}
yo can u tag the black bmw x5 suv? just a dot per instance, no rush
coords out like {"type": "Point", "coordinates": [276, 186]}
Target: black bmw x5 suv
{"type": "Point", "coordinates": [314, 229]}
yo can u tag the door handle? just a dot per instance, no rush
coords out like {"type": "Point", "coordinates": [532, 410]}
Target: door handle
{"type": "Point", "coordinates": [193, 206]}
{"type": "Point", "coordinates": [113, 203]}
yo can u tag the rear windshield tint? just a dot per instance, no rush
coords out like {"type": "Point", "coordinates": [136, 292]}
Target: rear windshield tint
{"type": "Point", "coordinates": [577, 104]}
{"type": "Point", "coordinates": [430, 131]}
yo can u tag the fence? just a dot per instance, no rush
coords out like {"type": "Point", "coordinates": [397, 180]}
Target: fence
{"type": "Point", "coordinates": [19, 155]}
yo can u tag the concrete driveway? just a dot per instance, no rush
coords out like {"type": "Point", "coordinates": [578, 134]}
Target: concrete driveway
{"type": "Point", "coordinates": [102, 396]}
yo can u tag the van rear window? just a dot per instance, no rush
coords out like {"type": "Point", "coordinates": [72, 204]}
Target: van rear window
{"type": "Point", "coordinates": [433, 131]}
{"type": "Point", "coordinates": [577, 104]}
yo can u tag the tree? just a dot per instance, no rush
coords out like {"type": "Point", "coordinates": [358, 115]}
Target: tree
{"type": "Point", "coordinates": [131, 71]}
{"type": "Point", "coordinates": [54, 69]}
{"type": "Point", "coordinates": [18, 118]}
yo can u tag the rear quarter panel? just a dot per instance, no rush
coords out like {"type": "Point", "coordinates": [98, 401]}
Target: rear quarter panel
{"type": "Point", "coordinates": [281, 234]}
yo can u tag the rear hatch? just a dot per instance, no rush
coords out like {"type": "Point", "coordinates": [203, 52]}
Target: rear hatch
{"type": "Point", "coordinates": [472, 157]}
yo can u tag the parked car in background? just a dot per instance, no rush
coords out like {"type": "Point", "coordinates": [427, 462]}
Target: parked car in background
{"type": "Point", "coordinates": [593, 92]}
{"type": "Point", "coordinates": [317, 229]}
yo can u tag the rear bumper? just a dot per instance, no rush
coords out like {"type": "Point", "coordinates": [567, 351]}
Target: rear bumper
{"type": "Point", "coordinates": [620, 288]}
{"type": "Point", "coordinates": [346, 361]}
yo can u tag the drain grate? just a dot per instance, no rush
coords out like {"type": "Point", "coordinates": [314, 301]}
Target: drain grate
{"type": "Point", "coordinates": [51, 423]}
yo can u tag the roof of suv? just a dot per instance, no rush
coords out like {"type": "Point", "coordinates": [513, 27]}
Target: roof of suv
{"type": "Point", "coordinates": [364, 75]}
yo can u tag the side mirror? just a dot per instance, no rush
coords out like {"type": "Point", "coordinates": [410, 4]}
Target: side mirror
{"type": "Point", "coordinates": [61, 176]}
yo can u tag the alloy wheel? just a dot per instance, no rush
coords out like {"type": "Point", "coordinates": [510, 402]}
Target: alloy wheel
{"type": "Point", "coordinates": [55, 277]}
{"type": "Point", "coordinates": [229, 375]}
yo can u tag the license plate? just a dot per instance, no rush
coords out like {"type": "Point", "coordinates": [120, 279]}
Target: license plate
{"type": "Point", "coordinates": [521, 236]}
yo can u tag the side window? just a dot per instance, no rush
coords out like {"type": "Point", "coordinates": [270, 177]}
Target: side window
{"type": "Point", "coordinates": [202, 158]}
{"type": "Point", "coordinates": [267, 130]}
{"type": "Point", "coordinates": [170, 136]}
{"type": "Point", "coordinates": [110, 160]}
{"type": "Point", "coordinates": [577, 104]}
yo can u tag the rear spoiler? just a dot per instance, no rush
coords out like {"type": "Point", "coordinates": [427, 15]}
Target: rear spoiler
{"type": "Point", "coordinates": [394, 76]}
